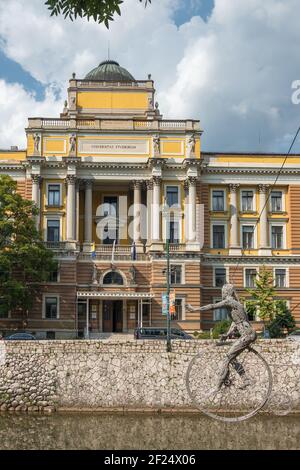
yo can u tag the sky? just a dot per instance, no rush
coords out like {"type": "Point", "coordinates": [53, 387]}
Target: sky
{"type": "Point", "coordinates": [229, 63]}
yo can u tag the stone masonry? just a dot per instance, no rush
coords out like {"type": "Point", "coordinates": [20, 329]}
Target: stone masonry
{"type": "Point", "coordinates": [120, 374]}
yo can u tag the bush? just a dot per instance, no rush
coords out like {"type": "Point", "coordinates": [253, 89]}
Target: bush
{"type": "Point", "coordinates": [283, 321]}
{"type": "Point", "coordinates": [221, 328]}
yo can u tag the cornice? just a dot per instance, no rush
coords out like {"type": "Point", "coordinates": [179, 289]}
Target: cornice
{"type": "Point", "coordinates": [250, 171]}
{"type": "Point", "coordinates": [242, 260]}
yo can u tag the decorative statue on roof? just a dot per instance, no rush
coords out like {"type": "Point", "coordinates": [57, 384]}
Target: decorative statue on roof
{"type": "Point", "coordinates": [156, 145]}
{"type": "Point", "coordinates": [73, 143]}
{"type": "Point", "coordinates": [191, 143]}
{"type": "Point", "coordinates": [36, 139]}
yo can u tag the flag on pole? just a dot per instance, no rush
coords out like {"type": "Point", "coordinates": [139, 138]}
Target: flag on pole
{"type": "Point", "coordinates": [133, 251]}
{"type": "Point", "coordinates": [93, 250]}
{"type": "Point", "coordinates": [172, 303]}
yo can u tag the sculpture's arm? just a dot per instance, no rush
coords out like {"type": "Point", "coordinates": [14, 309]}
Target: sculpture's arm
{"type": "Point", "coordinates": [220, 304]}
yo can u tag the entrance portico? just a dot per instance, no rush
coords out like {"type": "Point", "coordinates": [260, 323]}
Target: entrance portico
{"type": "Point", "coordinates": [112, 312]}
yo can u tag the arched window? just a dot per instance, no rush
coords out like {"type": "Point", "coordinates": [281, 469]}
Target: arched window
{"type": "Point", "coordinates": [113, 277]}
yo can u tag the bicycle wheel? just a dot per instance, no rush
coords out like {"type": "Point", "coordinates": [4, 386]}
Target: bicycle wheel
{"type": "Point", "coordinates": [233, 401]}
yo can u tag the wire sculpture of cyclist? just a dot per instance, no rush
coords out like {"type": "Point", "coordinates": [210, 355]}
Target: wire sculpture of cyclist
{"type": "Point", "coordinates": [240, 327]}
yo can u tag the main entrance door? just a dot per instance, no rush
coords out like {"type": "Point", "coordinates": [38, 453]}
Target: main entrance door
{"type": "Point", "coordinates": [113, 316]}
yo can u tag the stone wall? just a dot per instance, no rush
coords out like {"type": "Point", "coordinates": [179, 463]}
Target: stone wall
{"type": "Point", "coordinates": [37, 375]}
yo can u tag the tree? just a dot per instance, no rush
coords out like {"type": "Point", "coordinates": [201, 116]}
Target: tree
{"type": "Point", "coordinates": [101, 11]}
{"type": "Point", "coordinates": [262, 295]}
{"type": "Point", "coordinates": [283, 321]}
{"type": "Point", "coordinates": [25, 262]}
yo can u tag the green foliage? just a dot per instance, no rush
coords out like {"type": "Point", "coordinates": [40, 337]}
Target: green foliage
{"type": "Point", "coordinates": [101, 11]}
{"type": "Point", "coordinates": [263, 295]}
{"type": "Point", "coordinates": [24, 260]}
{"type": "Point", "coordinates": [283, 321]}
{"type": "Point", "coordinates": [221, 328]}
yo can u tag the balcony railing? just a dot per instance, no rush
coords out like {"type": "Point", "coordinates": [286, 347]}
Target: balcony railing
{"type": "Point", "coordinates": [104, 124]}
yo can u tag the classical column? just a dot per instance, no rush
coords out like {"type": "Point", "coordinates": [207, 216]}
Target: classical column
{"type": "Point", "coordinates": [71, 205]}
{"type": "Point", "coordinates": [264, 247]}
{"type": "Point", "coordinates": [186, 210]}
{"type": "Point", "coordinates": [77, 209]}
{"type": "Point", "coordinates": [88, 212]}
{"type": "Point", "coordinates": [234, 247]}
{"type": "Point", "coordinates": [149, 185]}
{"type": "Point", "coordinates": [137, 187]}
{"type": "Point", "coordinates": [36, 195]}
{"type": "Point", "coordinates": [156, 209]}
{"type": "Point", "coordinates": [192, 209]}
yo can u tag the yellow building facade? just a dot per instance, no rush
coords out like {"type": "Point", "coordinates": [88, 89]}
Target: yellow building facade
{"type": "Point", "coordinates": [113, 180]}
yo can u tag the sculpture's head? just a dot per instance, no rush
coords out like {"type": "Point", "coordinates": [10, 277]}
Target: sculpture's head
{"type": "Point", "coordinates": [228, 291]}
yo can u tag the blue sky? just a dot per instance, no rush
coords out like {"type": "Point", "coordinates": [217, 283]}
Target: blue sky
{"type": "Point", "coordinates": [12, 72]}
{"type": "Point", "coordinates": [228, 63]}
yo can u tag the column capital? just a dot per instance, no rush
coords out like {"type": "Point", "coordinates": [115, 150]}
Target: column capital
{"type": "Point", "coordinates": [263, 188]}
{"type": "Point", "coordinates": [156, 180]}
{"type": "Point", "coordinates": [137, 184]}
{"type": "Point", "coordinates": [37, 179]}
{"type": "Point", "coordinates": [192, 180]}
{"type": "Point", "coordinates": [88, 183]}
{"type": "Point", "coordinates": [149, 185]}
{"type": "Point", "coordinates": [71, 179]}
{"type": "Point", "coordinates": [233, 187]}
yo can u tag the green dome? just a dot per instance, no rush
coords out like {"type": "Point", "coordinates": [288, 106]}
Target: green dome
{"type": "Point", "coordinates": [109, 70]}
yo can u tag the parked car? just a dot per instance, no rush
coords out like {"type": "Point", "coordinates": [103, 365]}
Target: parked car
{"type": "Point", "coordinates": [160, 333]}
{"type": "Point", "coordinates": [20, 337]}
{"type": "Point", "coordinates": [294, 336]}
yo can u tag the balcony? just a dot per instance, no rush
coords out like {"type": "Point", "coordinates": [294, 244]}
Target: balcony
{"type": "Point", "coordinates": [114, 124]}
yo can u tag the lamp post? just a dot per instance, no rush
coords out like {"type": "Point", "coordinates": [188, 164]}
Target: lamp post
{"type": "Point", "coordinates": [169, 347]}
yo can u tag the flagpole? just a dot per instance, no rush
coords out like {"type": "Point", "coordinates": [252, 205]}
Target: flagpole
{"type": "Point", "coordinates": [169, 346]}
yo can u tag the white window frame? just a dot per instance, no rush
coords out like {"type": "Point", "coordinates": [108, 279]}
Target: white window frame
{"type": "Point", "coordinates": [282, 201]}
{"type": "Point", "coordinates": [216, 300]}
{"type": "Point", "coordinates": [214, 274]}
{"type": "Point", "coordinates": [53, 216]}
{"type": "Point", "coordinates": [278, 224]}
{"type": "Point", "coordinates": [224, 195]}
{"type": "Point", "coordinates": [182, 271]}
{"type": "Point", "coordinates": [49, 183]}
{"type": "Point", "coordinates": [217, 222]}
{"type": "Point", "coordinates": [249, 224]}
{"type": "Point", "coordinates": [177, 217]}
{"type": "Point", "coordinates": [244, 274]}
{"type": "Point", "coordinates": [253, 200]}
{"type": "Point", "coordinates": [287, 277]}
{"type": "Point", "coordinates": [178, 207]}
{"type": "Point", "coordinates": [49, 294]}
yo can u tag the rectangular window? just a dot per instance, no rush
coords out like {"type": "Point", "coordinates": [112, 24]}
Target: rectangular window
{"type": "Point", "coordinates": [250, 307]}
{"type": "Point", "coordinates": [218, 236]}
{"type": "Point", "coordinates": [220, 313]}
{"type": "Point", "coordinates": [174, 231]}
{"type": "Point", "coordinates": [53, 276]}
{"type": "Point", "coordinates": [51, 307]}
{"type": "Point", "coordinates": [53, 230]}
{"type": "Point", "coordinates": [250, 276]}
{"type": "Point", "coordinates": [220, 277]}
{"type": "Point", "coordinates": [277, 236]}
{"type": "Point", "coordinates": [280, 277]}
{"type": "Point", "coordinates": [53, 195]}
{"type": "Point", "coordinates": [176, 274]}
{"type": "Point", "coordinates": [218, 201]}
{"type": "Point", "coordinates": [247, 201]}
{"type": "Point", "coordinates": [178, 310]}
{"type": "Point", "coordinates": [172, 196]}
{"type": "Point", "coordinates": [276, 201]}
{"type": "Point", "coordinates": [248, 236]}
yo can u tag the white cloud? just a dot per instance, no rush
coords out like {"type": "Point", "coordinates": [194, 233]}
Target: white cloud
{"type": "Point", "coordinates": [234, 72]}
{"type": "Point", "coordinates": [16, 105]}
